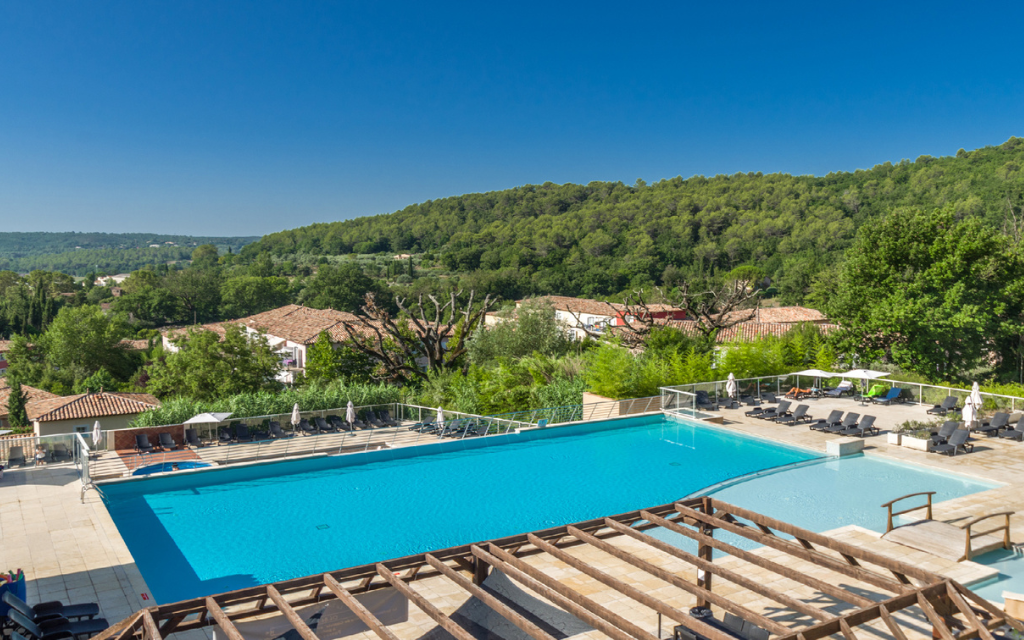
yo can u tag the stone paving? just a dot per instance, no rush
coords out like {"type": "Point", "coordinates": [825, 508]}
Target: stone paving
{"type": "Point", "coordinates": [71, 550]}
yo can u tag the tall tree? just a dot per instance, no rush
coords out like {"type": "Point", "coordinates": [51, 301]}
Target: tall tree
{"type": "Point", "coordinates": [343, 288]}
{"type": "Point", "coordinates": [246, 295]}
{"type": "Point", "coordinates": [321, 359]}
{"type": "Point", "coordinates": [198, 291]}
{"type": "Point", "coordinates": [434, 332]}
{"type": "Point", "coordinates": [207, 367]}
{"type": "Point", "coordinates": [931, 291]}
{"type": "Point", "coordinates": [16, 402]}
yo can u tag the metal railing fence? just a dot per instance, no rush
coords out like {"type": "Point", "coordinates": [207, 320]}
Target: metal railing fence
{"type": "Point", "coordinates": [589, 411]}
{"type": "Point", "coordinates": [32, 451]}
{"type": "Point", "coordinates": [679, 402]}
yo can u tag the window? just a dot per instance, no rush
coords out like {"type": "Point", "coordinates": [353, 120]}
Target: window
{"type": "Point", "coordinates": [81, 428]}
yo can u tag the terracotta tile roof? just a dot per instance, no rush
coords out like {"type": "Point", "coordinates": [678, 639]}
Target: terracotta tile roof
{"type": "Point", "coordinates": [790, 314]}
{"type": "Point", "coordinates": [137, 345]}
{"type": "Point", "coordinates": [303, 325]}
{"type": "Point", "coordinates": [90, 405]}
{"type": "Point", "coordinates": [578, 305]}
{"type": "Point", "coordinates": [32, 393]}
{"type": "Point", "coordinates": [177, 332]}
{"type": "Point", "coordinates": [747, 331]}
{"type": "Point", "coordinates": [5, 346]}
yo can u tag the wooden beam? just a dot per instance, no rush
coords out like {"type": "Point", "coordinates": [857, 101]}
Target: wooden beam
{"type": "Point", "coordinates": [847, 631]}
{"type": "Point", "coordinates": [938, 624]}
{"type": "Point", "coordinates": [149, 626]}
{"type": "Point", "coordinates": [671, 578]}
{"type": "Point", "coordinates": [796, 550]}
{"type": "Point", "coordinates": [289, 613]}
{"type": "Point", "coordinates": [597, 616]}
{"type": "Point", "coordinates": [480, 594]}
{"type": "Point", "coordinates": [797, 576]}
{"type": "Point", "coordinates": [222, 620]}
{"type": "Point", "coordinates": [424, 605]}
{"type": "Point", "coordinates": [357, 608]}
{"type": "Point", "coordinates": [859, 553]}
{"type": "Point", "coordinates": [732, 576]}
{"type": "Point", "coordinates": [989, 607]}
{"type": "Point", "coordinates": [865, 615]}
{"type": "Point", "coordinates": [171, 624]}
{"type": "Point", "coordinates": [695, 624]}
{"type": "Point", "coordinates": [894, 626]}
{"type": "Point", "coordinates": [968, 612]}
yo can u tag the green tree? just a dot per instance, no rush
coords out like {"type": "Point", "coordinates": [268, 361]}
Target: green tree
{"type": "Point", "coordinates": [930, 291]}
{"type": "Point", "coordinates": [321, 359]}
{"type": "Point", "coordinates": [205, 256]}
{"type": "Point", "coordinates": [246, 295]}
{"type": "Point", "coordinates": [16, 401]}
{"type": "Point", "coordinates": [343, 288]}
{"type": "Point", "coordinates": [206, 367]}
{"type": "Point", "coordinates": [531, 329]}
{"type": "Point", "coordinates": [197, 291]}
{"type": "Point", "coordinates": [83, 340]}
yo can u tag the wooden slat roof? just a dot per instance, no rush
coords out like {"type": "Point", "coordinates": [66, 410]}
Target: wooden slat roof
{"type": "Point", "coordinates": [841, 589]}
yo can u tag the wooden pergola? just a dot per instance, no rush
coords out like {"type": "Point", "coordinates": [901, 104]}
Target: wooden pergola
{"type": "Point", "coordinates": [816, 586]}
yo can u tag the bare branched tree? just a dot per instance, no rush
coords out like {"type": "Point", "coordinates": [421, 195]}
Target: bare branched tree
{"type": "Point", "coordinates": [395, 342]}
{"type": "Point", "coordinates": [714, 307]}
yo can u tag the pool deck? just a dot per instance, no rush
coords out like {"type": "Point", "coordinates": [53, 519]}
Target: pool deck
{"type": "Point", "coordinates": [71, 550]}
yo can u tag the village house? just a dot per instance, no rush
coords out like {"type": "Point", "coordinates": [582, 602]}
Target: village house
{"type": "Point", "coordinates": [31, 394]}
{"type": "Point", "coordinates": [78, 413]}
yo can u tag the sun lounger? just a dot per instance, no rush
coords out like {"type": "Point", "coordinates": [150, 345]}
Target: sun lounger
{"type": "Point", "coordinates": [371, 417]}
{"type": "Point", "coordinates": [323, 425]}
{"type": "Point", "coordinates": [16, 456]}
{"type": "Point", "coordinates": [1016, 433]}
{"type": "Point", "coordinates": [224, 435]}
{"type": "Point", "coordinates": [992, 427]}
{"type": "Point", "coordinates": [276, 432]}
{"type": "Point", "coordinates": [305, 427]}
{"type": "Point", "coordinates": [192, 438]}
{"type": "Point", "coordinates": [55, 628]}
{"type": "Point", "coordinates": [385, 417]}
{"type": "Point", "coordinates": [776, 412]}
{"type": "Point", "coordinates": [844, 387]}
{"type": "Point", "coordinates": [946, 430]}
{"type": "Point", "coordinates": [956, 442]}
{"type": "Point", "coordinates": [863, 428]}
{"type": "Point", "coordinates": [892, 395]}
{"type": "Point", "coordinates": [338, 423]}
{"type": "Point", "coordinates": [142, 443]}
{"type": "Point", "coordinates": [703, 401]}
{"type": "Point", "coordinates": [949, 404]}
{"type": "Point", "coordinates": [800, 413]}
{"type": "Point", "coordinates": [242, 433]}
{"type": "Point", "coordinates": [835, 417]}
{"type": "Point", "coordinates": [851, 420]}
{"type": "Point", "coordinates": [50, 610]}
{"type": "Point", "coordinates": [755, 412]}
{"type": "Point", "coordinates": [167, 442]}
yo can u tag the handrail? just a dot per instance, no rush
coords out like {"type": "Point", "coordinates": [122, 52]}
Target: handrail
{"type": "Point", "coordinates": [928, 506]}
{"type": "Point", "coordinates": [1005, 528]}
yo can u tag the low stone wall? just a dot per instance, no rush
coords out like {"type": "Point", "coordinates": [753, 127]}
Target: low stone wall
{"type": "Point", "coordinates": [125, 439]}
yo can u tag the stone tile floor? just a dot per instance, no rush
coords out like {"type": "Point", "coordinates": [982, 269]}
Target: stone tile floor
{"type": "Point", "coordinates": [71, 550]}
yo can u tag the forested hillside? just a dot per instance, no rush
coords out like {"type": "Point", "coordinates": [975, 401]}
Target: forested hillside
{"type": "Point", "coordinates": [603, 238]}
{"type": "Point", "coordinates": [81, 253]}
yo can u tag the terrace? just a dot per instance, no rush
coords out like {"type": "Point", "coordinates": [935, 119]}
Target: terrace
{"type": "Point", "coordinates": [72, 551]}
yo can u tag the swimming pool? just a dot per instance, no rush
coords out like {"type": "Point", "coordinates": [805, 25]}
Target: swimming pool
{"type": "Point", "coordinates": [165, 467]}
{"type": "Point", "coordinates": [202, 533]}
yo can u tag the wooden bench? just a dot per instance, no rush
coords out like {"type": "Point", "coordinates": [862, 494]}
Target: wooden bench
{"type": "Point", "coordinates": [956, 542]}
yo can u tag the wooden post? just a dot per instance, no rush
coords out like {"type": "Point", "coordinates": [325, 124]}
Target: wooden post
{"type": "Point", "coordinates": [705, 551]}
{"type": "Point", "coordinates": [480, 570]}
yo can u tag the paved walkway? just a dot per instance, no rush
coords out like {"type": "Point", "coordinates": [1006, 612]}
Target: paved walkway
{"type": "Point", "coordinates": [72, 551]}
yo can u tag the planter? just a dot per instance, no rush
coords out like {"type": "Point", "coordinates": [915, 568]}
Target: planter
{"type": "Point", "coordinates": [917, 443]}
{"type": "Point", "coordinates": [894, 438]}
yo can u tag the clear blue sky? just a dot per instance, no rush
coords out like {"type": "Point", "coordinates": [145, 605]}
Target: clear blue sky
{"type": "Point", "coordinates": [236, 118]}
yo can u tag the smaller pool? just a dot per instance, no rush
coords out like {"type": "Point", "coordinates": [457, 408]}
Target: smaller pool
{"type": "Point", "coordinates": [1010, 564]}
{"type": "Point", "coordinates": [165, 467]}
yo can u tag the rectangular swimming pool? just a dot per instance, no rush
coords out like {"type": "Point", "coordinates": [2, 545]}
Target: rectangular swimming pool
{"type": "Point", "coordinates": [195, 534]}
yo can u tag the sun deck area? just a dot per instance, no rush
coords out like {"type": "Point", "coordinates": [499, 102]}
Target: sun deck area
{"type": "Point", "coordinates": [72, 550]}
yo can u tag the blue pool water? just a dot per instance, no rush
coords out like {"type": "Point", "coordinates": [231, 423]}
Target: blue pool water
{"type": "Point", "coordinates": [202, 533]}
